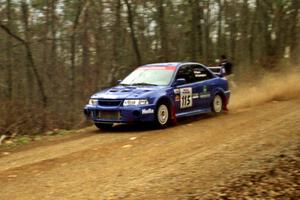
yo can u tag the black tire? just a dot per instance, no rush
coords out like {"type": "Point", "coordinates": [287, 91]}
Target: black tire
{"type": "Point", "coordinates": [217, 104]}
{"type": "Point", "coordinates": [162, 115]}
{"type": "Point", "coordinates": [104, 126]}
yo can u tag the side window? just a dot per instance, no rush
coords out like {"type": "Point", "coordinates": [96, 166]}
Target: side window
{"type": "Point", "coordinates": [187, 73]}
{"type": "Point", "coordinates": [201, 73]}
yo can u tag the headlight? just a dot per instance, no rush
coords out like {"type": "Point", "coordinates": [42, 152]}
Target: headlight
{"type": "Point", "coordinates": [135, 102]}
{"type": "Point", "coordinates": [93, 102]}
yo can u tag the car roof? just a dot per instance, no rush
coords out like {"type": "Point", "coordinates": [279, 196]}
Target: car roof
{"type": "Point", "coordinates": [173, 64]}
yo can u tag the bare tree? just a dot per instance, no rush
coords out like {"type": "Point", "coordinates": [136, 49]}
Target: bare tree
{"type": "Point", "coordinates": [29, 79]}
{"type": "Point", "coordinates": [132, 33]}
{"type": "Point", "coordinates": [9, 52]}
{"type": "Point", "coordinates": [57, 52]}
{"type": "Point", "coordinates": [31, 61]}
{"type": "Point", "coordinates": [163, 30]}
{"type": "Point", "coordinates": [79, 8]}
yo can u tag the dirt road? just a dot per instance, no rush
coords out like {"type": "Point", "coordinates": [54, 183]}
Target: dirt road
{"type": "Point", "coordinates": [176, 162]}
{"type": "Point", "coordinates": [182, 162]}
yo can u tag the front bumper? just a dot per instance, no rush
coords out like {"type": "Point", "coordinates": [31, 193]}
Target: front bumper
{"type": "Point", "coordinates": [120, 114]}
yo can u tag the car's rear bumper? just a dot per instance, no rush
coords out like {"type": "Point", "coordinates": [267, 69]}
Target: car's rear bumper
{"type": "Point", "coordinates": [120, 114]}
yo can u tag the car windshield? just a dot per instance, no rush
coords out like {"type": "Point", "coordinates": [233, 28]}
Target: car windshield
{"type": "Point", "coordinates": [150, 76]}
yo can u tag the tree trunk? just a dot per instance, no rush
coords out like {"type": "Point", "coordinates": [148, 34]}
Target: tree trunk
{"type": "Point", "coordinates": [99, 45]}
{"type": "Point", "coordinates": [29, 79]}
{"type": "Point", "coordinates": [32, 63]}
{"type": "Point", "coordinates": [85, 64]}
{"type": "Point", "coordinates": [116, 44]}
{"type": "Point", "coordinates": [233, 38]}
{"type": "Point", "coordinates": [53, 52]}
{"type": "Point", "coordinates": [164, 52]}
{"type": "Point", "coordinates": [294, 33]}
{"type": "Point", "coordinates": [73, 52]}
{"type": "Point", "coordinates": [132, 33]}
{"type": "Point", "coordinates": [220, 41]}
{"type": "Point", "coordinates": [8, 53]}
{"type": "Point", "coordinates": [194, 31]}
{"type": "Point", "coordinates": [45, 51]}
{"type": "Point", "coordinates": [206, 30]}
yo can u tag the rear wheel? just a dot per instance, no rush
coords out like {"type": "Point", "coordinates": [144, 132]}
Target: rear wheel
{"type": "Point", "coordinates": [217, 104]}
{"type": "Point", "coordinates": [162, 115]}
{"type": "Point", "coordinates": [103, 126]}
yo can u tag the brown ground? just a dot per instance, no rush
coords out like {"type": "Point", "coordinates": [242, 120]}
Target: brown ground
{"type": "Point", "coordinates": [247, 153]}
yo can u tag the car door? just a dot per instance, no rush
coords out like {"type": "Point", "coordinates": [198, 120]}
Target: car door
{"type": "Point", "coordinates": [184, 93]}
{"type": "Point", "coordinates": [204, 83]}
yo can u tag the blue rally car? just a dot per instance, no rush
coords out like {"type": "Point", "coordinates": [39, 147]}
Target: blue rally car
{"type": "Point", "coordinates": [160, 93]}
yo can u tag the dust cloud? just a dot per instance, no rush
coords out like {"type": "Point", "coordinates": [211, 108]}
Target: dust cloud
{"type": "Point", "coordinates": [271, 87]}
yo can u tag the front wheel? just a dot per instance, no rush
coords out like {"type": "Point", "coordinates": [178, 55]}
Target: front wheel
{"type": "Point", "coordinates": [217, 104]}
{"type": "Point", "coordinates": [162, 115]}
{"type": "Point", "coordinates": [104, 126]}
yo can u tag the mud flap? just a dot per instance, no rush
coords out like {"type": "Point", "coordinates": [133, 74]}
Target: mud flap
{"type": "Point", "coordinates": [225, 106]}
{"type": "Point", "coordinates": [173, 119]}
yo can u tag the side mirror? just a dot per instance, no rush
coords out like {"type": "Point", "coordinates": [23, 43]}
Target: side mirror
{"type": "Point", "coordinates": [180, 81]}
{"type": "Point", "coordinates": [119, 81]}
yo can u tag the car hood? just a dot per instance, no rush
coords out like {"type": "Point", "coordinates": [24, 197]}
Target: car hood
{"type": "Point", "coordinates": [123, 92]}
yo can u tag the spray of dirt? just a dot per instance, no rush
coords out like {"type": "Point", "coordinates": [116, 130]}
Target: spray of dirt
{"type": "Point", "coordinates": [272, 87]}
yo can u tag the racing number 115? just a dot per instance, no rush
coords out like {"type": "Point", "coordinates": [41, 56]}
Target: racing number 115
{"type": "Point", "coordinates": [185, 100]}
{"type": "Point", "coordinates": [186, 97]}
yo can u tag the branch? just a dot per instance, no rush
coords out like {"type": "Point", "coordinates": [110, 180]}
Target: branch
{"type": "Point", "coordinates": [31, 60]}
{"type": "Point", "coordinates": [12, 34]}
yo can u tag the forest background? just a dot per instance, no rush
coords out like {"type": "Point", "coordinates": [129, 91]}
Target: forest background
{"type": "Point", "coordinates": [55, 53]}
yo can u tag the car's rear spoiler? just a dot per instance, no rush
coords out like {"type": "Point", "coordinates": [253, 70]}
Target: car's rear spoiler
{"type": "Point", "coordinates": [217, 70]}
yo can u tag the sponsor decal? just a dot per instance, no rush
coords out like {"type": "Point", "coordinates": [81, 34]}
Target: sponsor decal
{"type": "Point", "coordinates": [195, 96]}
{"type": "Point", "coordinates": [186, 99]}
{"type": "Point", "coordinates": [198, 73]}
{"type": "Point", "coordinates": [147, 111]}
{"type": "Point", "coordinates": [204, 93]}
{"type": "Point", "coordinates": [108, 96]}
{"type": "Point", "coordinates": [176, 91]}
{"type": "Point", "coordinates": [204, 96]}
{"type": "Point", "coordinates": [157, 68]}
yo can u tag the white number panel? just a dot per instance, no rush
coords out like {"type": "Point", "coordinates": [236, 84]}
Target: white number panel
{"type": "Point", "coordinates": [186, 97]}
